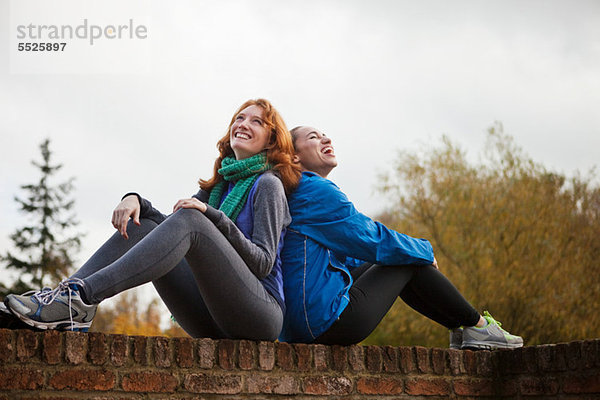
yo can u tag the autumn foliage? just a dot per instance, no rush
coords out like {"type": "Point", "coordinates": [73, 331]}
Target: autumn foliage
{"type": "Point", "coordinates": [128, 316]}
{"type": "Point", "coordinates": [515, 238]}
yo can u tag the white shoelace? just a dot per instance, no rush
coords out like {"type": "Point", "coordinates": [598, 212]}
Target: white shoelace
{"type": "Point", "coordinates": [48, 296]}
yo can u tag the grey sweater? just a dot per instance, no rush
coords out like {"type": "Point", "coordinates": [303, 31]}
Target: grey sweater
{"type": "Point", "coordinates": [271, 217]}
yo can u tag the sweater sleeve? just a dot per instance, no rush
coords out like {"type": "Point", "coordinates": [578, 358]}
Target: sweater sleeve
{"type": "Point", "coordinates": [271, 216]}
{"type": "Point", "coordinates": [334, 222]}
{"type": "Point", "coordinates": [147, 211]}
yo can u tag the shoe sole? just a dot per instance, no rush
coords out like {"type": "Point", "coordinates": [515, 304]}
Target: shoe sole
{"type": "Point", "coordinates": [56, 325]}
{"type": "Point", "coordinates": [489, 345]}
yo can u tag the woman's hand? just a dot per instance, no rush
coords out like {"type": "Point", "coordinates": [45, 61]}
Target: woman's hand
{"type": "Point", "coordinates": [190, 203]}
{"type": "Point", "coordinates": [129, 207]}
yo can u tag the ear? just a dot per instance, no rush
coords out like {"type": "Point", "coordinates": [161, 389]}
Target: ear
{"type": "Point", "coordinates": [296, 159]}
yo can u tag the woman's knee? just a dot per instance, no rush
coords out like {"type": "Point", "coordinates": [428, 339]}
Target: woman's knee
{"type": "Point", "coordinates": [146, 226]}
{"type": "Point", "coordinates": [189, 218]}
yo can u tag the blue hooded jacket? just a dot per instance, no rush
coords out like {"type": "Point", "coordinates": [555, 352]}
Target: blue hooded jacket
{"type": "Point", "coordinates": [328, 236]}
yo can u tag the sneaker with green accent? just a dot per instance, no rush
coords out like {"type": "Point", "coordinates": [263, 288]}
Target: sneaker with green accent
{"type": "Point", "coordinates": [456, 338]}
{"type": "Point", "coordinates": [60, 308]}
{"type": "Point", "coordinates": [489, 337]}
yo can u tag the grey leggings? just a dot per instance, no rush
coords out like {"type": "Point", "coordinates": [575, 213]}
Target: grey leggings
{"type": "Point", "coordinates": [198, 274]}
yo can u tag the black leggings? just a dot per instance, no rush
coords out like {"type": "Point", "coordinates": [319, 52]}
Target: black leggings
{"type": "Point", "coordinates": [376, 287]}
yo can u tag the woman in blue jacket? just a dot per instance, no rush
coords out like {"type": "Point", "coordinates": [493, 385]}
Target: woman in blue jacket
{"type": "Point", "coordinates": [215, 261]}
{"type": "Point", "coordinates": [343, 271]}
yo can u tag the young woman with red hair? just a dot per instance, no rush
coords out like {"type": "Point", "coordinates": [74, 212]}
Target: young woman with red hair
{"type": "Point", "coordinates": [214, 261]}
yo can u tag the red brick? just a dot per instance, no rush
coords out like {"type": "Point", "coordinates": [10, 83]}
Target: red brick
{"type": "Point", "coordinates": [266, 355]}
{"type": "Point", "coordinates": [162, 352]}
{"type": "Point", "coordinates": [422, 357]}
{"type": "Point", "coordinates": [27, 344]}
{"type": "Point", "coordinates": [516, 361]}
{"type": "Point", "coordinates": [552, 357]}
{"type": "Point", "coordinates": [455, 361]}
{"type": "Point", "coordinates": [211, 383]}
{"type": "Point", "coordinates": [226, 351]}
{"type": "Point", "coordinates": [75, 396]}
{"type": "Point", "coordinates": [75, 347]}
{"type": "Point", "coordinates": [576, 384]}
{"type": "Point", "coordinates": [356, 358]}
{"type": "Point", "coordinates": [184, 348]}
{"type": "Point", "coordinates": [321, 353]}
{"type": "Point", "coordinates": [272, 385]}
{"type": "Point", "coordinates": [528, 358]}
{"type": "Point", "coordinates": [407, 360]}
{"type": "Point", "coordinates": [98, 352]}
{"type": "Point", "coordinates": [21, 379]}
{"type": "Point", "coordinates": [339, 358]}
{"type": "Point", "coordinates": [7, 346]}
{"type": "Point", "coordinates": [390, 359]}
{"type": "Point", "coordinates": [473, 387]}
{"type": "Point", "coordinates": [374, 359]}
{"type": "Point", "coordinates": [119, 350]}
{"type": "Point", "coordinates": [505, 361]}
{"type": "Point", "coordinates": [384, 386]}
{"type": "Point", "coordinates": [427, 387]}
{"type": "Point", "coordinates": [304, 354]}
{"type": "Point", "coordinates": [588, 353]}
{"type": "Point", "coordinates": [82, 379]}
{"type": "Point", "coordinates": [538, 386]}
{"type": "Point", "coordinates": [285, 356]}
{"type": "Point", "coordinates": [247, 354]}
{"type": "Point", "coordinates": [470, 362]}
{"type": "Point", "coordinates": [485, 364]}
{"type": "Point", "coordinates": [506, 387]}
{"type": "Point", "coordinates": [140, 350]}
{"type": "Point", "coordinates": [573, 354]}
{"type": "Point", "coordinates": [154, 382]}
{"type": "Point", "coordinates": [52, 346]}
{"type": "Point", "coordinates": [327, 385]}
{"type": "Point", "coordinates": [206, 353]}
{"type": "Point", "coordinates": [560, 353]}
{"type": "Point", "coordinates": [438, 361]}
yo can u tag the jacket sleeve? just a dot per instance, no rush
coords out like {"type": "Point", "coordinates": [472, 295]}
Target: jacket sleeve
{"type": "Point", "coordinates": [332, 220]}
{"type": "Point", "coordinates": [271, 216]}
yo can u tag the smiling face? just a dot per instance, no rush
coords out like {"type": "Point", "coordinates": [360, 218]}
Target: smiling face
{"type": "Point", "coordinates": [314, 151]}
{"type": "Point", "coordinates": [249, 134]}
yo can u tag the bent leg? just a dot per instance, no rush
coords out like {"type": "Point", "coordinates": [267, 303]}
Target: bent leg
{"type": "Point", "coordinates": [115, 247]}
{"type": "Point", "coordinates": [424, 288]}
{"type": "Point", "coordinates": [371, 296]}
{"type": "Point", "coordinates": [178, 290]}
{"type": "Point", "coordinates": [433, 295]}
{"type": "Point", "coordinates": [234, 297]}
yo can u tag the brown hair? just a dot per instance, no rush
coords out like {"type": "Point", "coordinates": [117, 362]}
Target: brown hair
{"type": "Point", "coordinates": [280, 150]}
{"type": "Point", "coordinates": [294, 134]}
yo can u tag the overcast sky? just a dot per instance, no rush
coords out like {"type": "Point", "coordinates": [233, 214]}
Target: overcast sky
{"type": "Point", "coordinates": [376, 76]}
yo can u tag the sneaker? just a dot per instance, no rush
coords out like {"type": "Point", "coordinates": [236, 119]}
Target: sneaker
{"type": "Point", "coordinates": [60, 308]}
{"type": "Point", "coordinates": [489, 337]}
{"type": "Point", "coordinates": [456, 338]}
{"type": "Point", "coordinates": [10, 321]}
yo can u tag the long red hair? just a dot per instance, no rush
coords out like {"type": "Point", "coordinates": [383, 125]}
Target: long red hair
{"type": "Point", "coordinates": [280, 150]}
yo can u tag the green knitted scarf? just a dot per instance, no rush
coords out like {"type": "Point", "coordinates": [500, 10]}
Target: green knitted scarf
{"type": "Point", "coordinates": [244, 173]}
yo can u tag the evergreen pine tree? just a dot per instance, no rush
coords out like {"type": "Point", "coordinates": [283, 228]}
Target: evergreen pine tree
{"type": "Point", "coordinates": [44, 245]}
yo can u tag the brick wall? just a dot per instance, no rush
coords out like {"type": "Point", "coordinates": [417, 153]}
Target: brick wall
{"type": "Point", "coordinates": [67, 366]}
